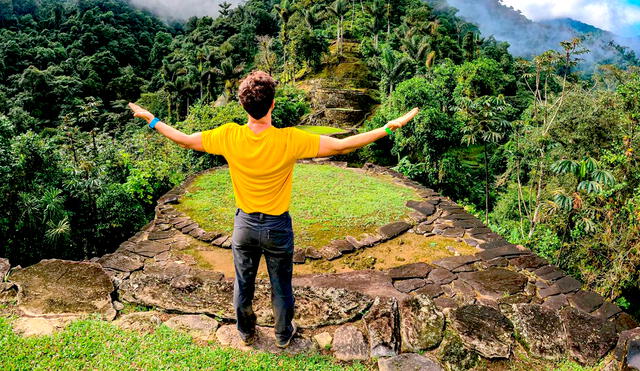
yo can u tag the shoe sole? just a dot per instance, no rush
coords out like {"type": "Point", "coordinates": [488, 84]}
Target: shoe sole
{"type": "Point", "coordinates": [295, 330]}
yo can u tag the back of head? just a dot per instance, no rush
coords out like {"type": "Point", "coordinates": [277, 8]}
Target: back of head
{"type": "Point", "coordinates": [256, 93]}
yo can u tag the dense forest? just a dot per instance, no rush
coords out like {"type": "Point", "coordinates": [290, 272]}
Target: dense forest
{"type": "Point", "coordinates": [546, 154]}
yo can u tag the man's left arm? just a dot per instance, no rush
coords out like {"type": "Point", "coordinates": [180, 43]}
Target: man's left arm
{"type": "Point", "coordinates": [192, 141]}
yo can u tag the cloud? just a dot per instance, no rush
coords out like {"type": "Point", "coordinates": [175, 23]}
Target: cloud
{"type": "Point", "coordinates": [182, 9]}
{"type": "Point", "coordinates": [617, 16]}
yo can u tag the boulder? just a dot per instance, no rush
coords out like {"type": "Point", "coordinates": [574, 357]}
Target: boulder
{"type": "Point", "coordinates": [425, 208]}
{"type": "Point", "coordinates": [381, 322]}
{"type": "Point", "coordinates": [392, 230]}
{"type": "Point", "coordinates": [408, 362]}
{"type": "Point", "coordinates": [495, 282]}
{"type": "Point", "coordinates": [414, 270]}
{"type": "Point", "coordinates": [421, 324]}
{"type": "Point", "coordinates": [121, 262]}
{"type": "Point", "coordinates": [27, 326]}
{"type": "Point", "coordinates": [349, 345]}
{"type": "Point", "coordinates": [622, 345]}
{"type": "Point", "coordinates": [208, 295]}
{"type": "Point", "coordinates": [632, 360]}
{"type": "Point", "coordinates": [8, 292]}
{"type": "Point", "coordinates": [409, 285]}
{"type": "Point", "coordinates": [4, 268]}
{"type": "Point", "coordinates": [484, 329]}
{"type": "Point", "coordinates": [368, 282]}
{"type": "Point", "coordinates": [266, 341]}
{"type": "Point", "coordinates": [139, 321]}
{"type": "Point", "coordinates": [61, 287]}
{"type": "Point", "coordinates": [541, 330]}
{"type": "Point", "coordinates": [588, 338]}
{"type": "Point", "coordinates": [200, 326]}
{"type": "Point", "coordinates": [323, 340]}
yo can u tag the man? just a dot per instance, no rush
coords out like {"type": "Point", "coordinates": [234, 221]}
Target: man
{"type": "Point", "coordinates": [261, 160]}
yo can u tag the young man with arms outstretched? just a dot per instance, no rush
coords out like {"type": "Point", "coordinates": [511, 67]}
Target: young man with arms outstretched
{"type": "Point", "coordinates": [261, 160]}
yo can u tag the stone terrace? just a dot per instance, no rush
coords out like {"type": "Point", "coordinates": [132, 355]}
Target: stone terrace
{"type": "Point", "coordinates": [458, 313]}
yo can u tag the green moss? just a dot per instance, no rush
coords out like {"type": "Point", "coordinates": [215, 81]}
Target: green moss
{"type": "Point", "coordinates": [91, 344]}
{"type": "Point", "coordinates": [327, 203]}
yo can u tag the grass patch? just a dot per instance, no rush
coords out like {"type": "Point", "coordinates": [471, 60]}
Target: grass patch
{"type": "Point", "coordinates": [327, 203]}
{"type": "Point", "coordinates": [93, 344]}
{"type": "Point", "coordinates": [320, 130]}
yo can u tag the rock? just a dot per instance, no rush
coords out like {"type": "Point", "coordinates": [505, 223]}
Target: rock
{"type": "Point", "coordinates": [381, 322]}
{"type": "Point", "coordinates": [27, 326]}
{"type": "Point", "coordinates": [330, 252]}
{"type": "Point", "coordinates": [423, 228]}
{"type": "Point", "coordinates": [495, 282]}
{"type": "Point", "coordinates": [623, 342]}
{"type": "Point", "coordinates": [633, 355]}
{"type": "Point", "coordinates": [421, 324]}
{"type": "Point", "coordinates": [479, 231]}
{"type": "Point", "coordinates": [455, 354]}
{"type": "Point", "coordinates": [408, 362]}
{"type": "Point", "coordinates": [209, 236]}
{"type": "Point", "coordinates": [160, 235]}
{"type": "Point", "coordinates": [369, 282]}
{"type": "Point", "coordinates": [299, 256]}
{"type": "Point", "coordinates": [392, 230]}
{"type": "Point", "coordinates": [541, 330]}
{"type": "Point", "coordinates": [312, 253]}
{"type": "Point", "coordinates": [463, 292]}
{"type": "Point", "coordinates": [454, 262]}
{"type": "Point", "coordinates": [349, 345]}
{"type": "Point", "coordinates": [323, 340]}
{"type": "Point", "coordinates": [623, 322]}
{"type": "Point", "coordinates": [432, 290]}
{"type": "Point", "coordinates": [149, 249]}
{"type": "Point", "coordinates": [343, 246]}
{"type": "Point", "coordinates": [121, 262]}
{"type": "Point", "coordinates": [370, 240]}
{"type": "Point", "coordinates": [200, 327]}
{"type": "Point", "coordinates": [425, 208]}
{"type": "Point", "coordinates": [163, 227]}
{"type": "Point", "coordinates": [228, 336]}
{"type": "Point", "coordinates": [588, 338]}
{"type": "Point", "coordinates": [355, 243]}
{"type": "Point", "coordinates": [453, 232]}
{"type": "Point", "coordinates": [485, 330]}
{"type": "Point", "coordinates": [168, 269]}
{"type": "Point", "coordinates": [189, 228]}
{"type": "Point", "coordinates": [444, 303]}
{"type": "Point", "coordinates": [556, 302]}
{"type": "Point", "coordinates": [139, 321]}
{"type": "Point", "coordinates": [64, 288]}
{"type": "Point", "coordinates": [208, 295]}
{"type": "Point", "coordinates": [586, 301]}
{"type": "Point", "coordinates": [568, 284]}
{"type": "Point", "coordinates": [505, 251]}
{"type": "Point", "coordinates": [607, 310]}
{"type": "Point", "coordinates": [409, 285]}
{"type": "Point", "coordinates": [118, 305]}
{"type": "Point", "coordinates": [549, 273]}
{"type": "Point", "coordinates": [220, 240]}
{"type": "Point", "coordinates": [414, 270]}
{"type": "Point", "coordinates": [494, 244]}
{"type": "Point", "coordinates": [441, 276]}
{"type": "Point", "coordinates": [528, 262]}
{"type": "Point", "coordinates": [4, 268]}
{"type": "Point", "coordinates": [8, 292]}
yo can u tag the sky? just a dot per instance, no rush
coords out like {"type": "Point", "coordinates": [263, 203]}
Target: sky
{"type": "Point", "coordinates": [618, 16]}
{"type": "Point", "coordinates": [181, 9]}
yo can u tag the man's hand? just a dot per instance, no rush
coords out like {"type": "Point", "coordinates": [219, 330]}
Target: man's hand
{"type": "Point", "coordinates": [141, 112]}
{"type": "Point", "coordinates": [402, 121]}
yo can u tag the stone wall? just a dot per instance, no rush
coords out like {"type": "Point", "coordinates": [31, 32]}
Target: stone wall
{"type": "Point", "coordinates": [459, 312]}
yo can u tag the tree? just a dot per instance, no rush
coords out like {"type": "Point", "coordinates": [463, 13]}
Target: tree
{"type": "Point", "coordinates": [392, 68]}
{"type": "Point", "coordinates": [485, 124]}
{"type": "Point", "coordinates": [338, 9]}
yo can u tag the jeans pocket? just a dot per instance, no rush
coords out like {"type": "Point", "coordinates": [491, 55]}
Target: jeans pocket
{"type": "Point", "coordinates": [280, 240]}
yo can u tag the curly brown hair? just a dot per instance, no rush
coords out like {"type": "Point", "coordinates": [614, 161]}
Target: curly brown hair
{"type": "Point", "coordinates": [256, 93]}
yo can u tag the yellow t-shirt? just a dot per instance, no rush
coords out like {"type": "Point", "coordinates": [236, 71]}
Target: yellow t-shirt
{"type": "Point", "coordinates": [261, 165]}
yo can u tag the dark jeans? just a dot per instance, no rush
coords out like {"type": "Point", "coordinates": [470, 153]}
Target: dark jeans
{"type": "Point", "coordinates": [272, 235]}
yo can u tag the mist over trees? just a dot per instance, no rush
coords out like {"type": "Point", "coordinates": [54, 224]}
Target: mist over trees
{"type": "Point", "coordinates": [546, 154]}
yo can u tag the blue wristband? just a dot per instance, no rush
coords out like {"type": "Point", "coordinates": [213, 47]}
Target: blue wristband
{"type": "Point", "coordinates": [153, 122]}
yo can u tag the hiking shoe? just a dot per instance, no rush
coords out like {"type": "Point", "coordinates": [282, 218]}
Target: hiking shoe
{"type": "Point", "coordinates": [284, 344]}
{"type": "Point", "coordinates": [250, 339]}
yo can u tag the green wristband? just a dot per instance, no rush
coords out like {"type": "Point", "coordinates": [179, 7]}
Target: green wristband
{"type": "Point", "coordinates": [389, 131]}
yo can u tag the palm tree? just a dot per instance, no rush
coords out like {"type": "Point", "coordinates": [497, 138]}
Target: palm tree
{"type": "Point", "coordinates": [485, 124]}
{"type": "Point", "coordinates": [392, 69]}
{"type": "Point", "coordinates": [418, 48]}
{"type": "Point", "coordinates": [376, 11]}
{"type": "Point", "coordinates": [313, 17]}
{"type": "Point", "coordinates": [230, 74]}
{"type": "Point", "coordinates": [338, 9]}
{"type": "Point", "coordinates": [285, 11]}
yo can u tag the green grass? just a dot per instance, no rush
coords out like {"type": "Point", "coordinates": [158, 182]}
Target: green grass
{"type": "Point", "coordinates": [320, 130]}
{"type": "Point", "coordinates": [327, 203]}
{"type": "Point", "coordinates": [93, 344]}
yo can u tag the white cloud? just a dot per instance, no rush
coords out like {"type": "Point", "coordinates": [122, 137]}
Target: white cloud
{"type": "Point", "coordinates": [181, 10]}
{"type": "Point", "coordinates": [612, 15]}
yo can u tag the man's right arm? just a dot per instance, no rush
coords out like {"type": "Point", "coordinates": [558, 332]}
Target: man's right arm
{"type": "Point", "coordinates": [331, 146]}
